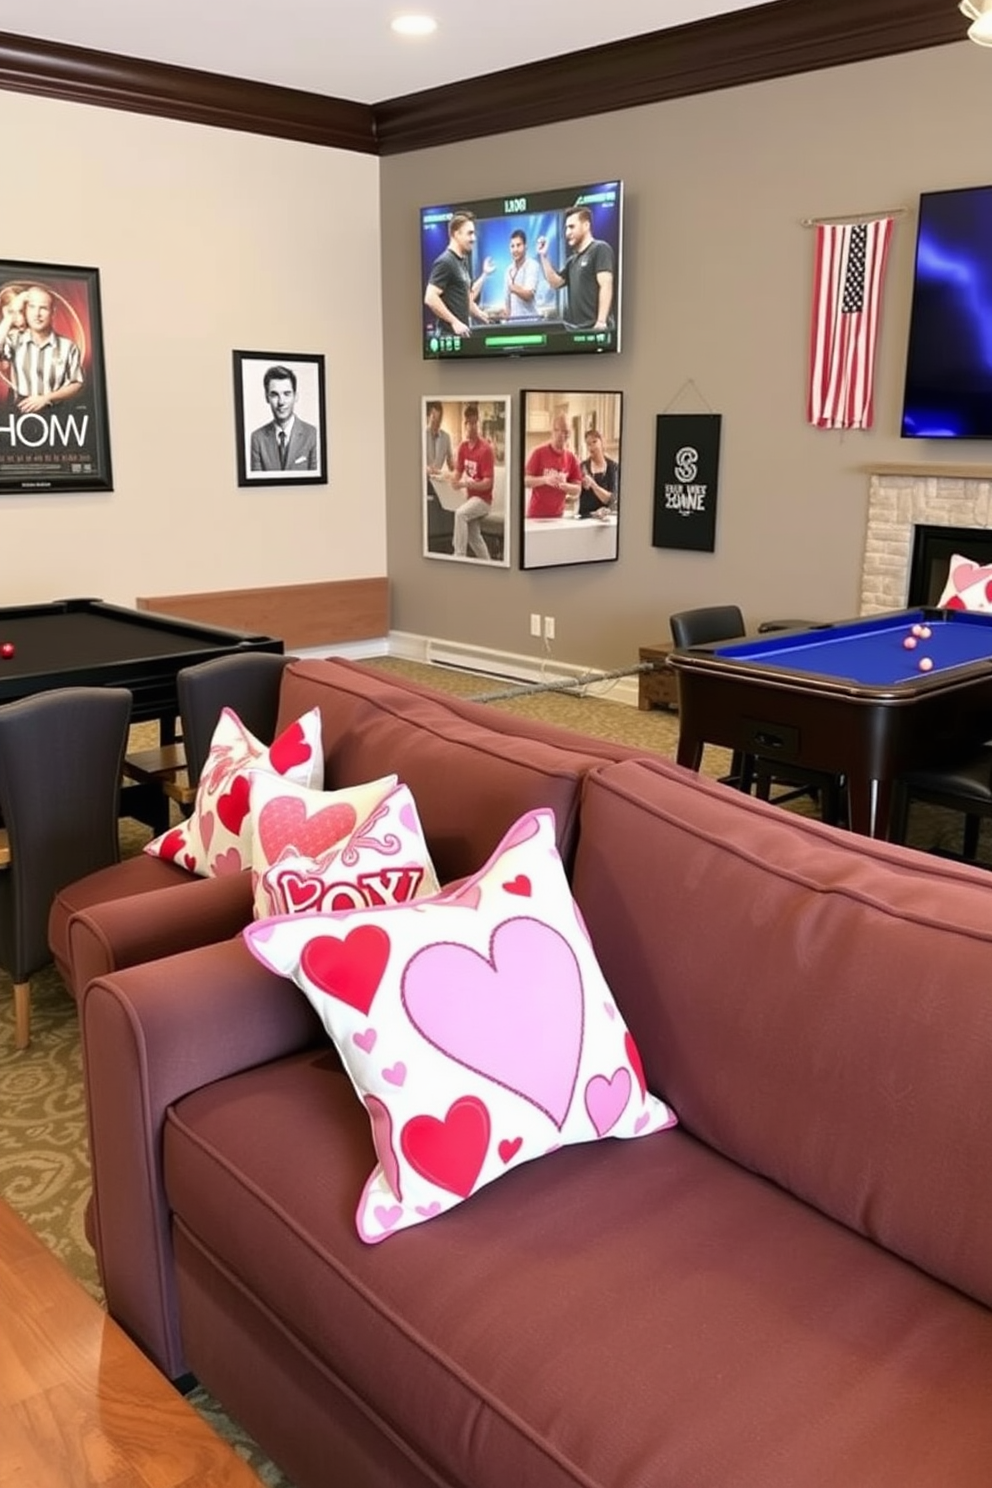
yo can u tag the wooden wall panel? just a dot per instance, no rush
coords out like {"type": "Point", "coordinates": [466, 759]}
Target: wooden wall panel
{"type": "Point", "coordinates": [301, 615]}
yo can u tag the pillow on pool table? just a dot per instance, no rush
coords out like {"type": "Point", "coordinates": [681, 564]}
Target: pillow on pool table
{"type": "Point", "coordinates": [968, 587]}
{"type": "Point", "coordinates": [216, 838]}
{"type": "Point", "coordinates": [476, 1027]}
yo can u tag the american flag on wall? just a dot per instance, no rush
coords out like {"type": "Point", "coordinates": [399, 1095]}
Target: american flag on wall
{"type": "Point", "coordinates": [847, 295]}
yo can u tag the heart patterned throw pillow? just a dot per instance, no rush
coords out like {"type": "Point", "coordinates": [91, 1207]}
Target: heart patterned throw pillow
{"type": "Point", "coordinates": [968, 587]}
{"type": "Point", "coordinates": [335, 849]}
{"type": "Point", "coordinates": [476, 1027]}
{"type": "Point", "coordinates": [216, 837]}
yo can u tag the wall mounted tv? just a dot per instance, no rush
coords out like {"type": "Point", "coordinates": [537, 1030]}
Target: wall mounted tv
{"type": "Point", "coordinates": [536, 273]}
{"type": "Point", "coordinates": [949, 361]}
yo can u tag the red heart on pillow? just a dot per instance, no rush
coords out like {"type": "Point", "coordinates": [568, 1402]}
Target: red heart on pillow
{"type": "Point", "coordinates": [349, 969]}
{"type": "Point", "coordinates": [451, 1152]}
{"type": "Point", "coordinates": [300, 892]}
{"type": "Point", "coordinates": [520, 885]}
{"type": "Point", "coordinates": [171, 843]}
{"type": "Point", "coordinates": [291, 748]}
{"type": "Point", "coordinates": [634, 1060]}
{"type": "Point", "coordinates": [232, 807]}
{"type": "Point", "coordinates": [284, 823]}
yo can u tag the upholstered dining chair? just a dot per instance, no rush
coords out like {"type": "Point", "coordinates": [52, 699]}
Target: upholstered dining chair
{"type": "Point", "coordinates": [700, 627]}
{"type": "Point", "coordinates": [965, 786]}
{"type": "Point", "coordinates": [713, 623]}
{"type": "Point", "coordinates": [61, 754]}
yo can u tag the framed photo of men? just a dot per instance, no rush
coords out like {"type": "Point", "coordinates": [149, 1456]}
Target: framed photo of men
{"type": "Point", "coordinates": [571, 457]}
{"type": "Point", "coordinates": [279, 418]}
{"type": "Point", "coordinates": [54, 431]}
{"type": "Point", "coordinates": [465, 454]}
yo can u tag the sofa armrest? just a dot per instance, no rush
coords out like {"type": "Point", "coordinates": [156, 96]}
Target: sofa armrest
{"type": "Point", "coordinates": [118, 933]}
{"type": "Point", "coordinates": [151, 1034]}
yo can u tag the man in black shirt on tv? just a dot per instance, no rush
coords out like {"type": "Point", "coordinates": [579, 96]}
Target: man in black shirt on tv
{"type": "Point", "coordinates": [587, 273]}
{"type": "Point", "coordinates": [451, 293]}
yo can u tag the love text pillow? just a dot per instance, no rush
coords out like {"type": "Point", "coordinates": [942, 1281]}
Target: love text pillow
{"type": "Point", "coordinates": [336, 849]}
{"type": "Point", "coordinates": [968, 587]}
{"type": "Point", "coordinates": [216, 837]}
{"type": "Point", "coordinates": [476, 1027]}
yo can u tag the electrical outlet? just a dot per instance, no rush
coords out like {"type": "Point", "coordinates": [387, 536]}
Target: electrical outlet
{"type": "Point", "coordinates": [549, 627]}
{"type": "Point", "coordinates": [535, 626]}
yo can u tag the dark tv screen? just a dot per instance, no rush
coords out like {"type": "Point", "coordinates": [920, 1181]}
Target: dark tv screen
{"type": "Point", "coordinates": [571, 234]}
{"type": "Point", "coordinates": [949, 360]}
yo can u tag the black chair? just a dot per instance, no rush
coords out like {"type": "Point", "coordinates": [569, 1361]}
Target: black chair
{"type": "Point", "coordinates": [700, 627]}
{"type": "Point", "coordinates": [965, 787]}
{"type": "Point", "coordinates": [712, 623]}
{"type": "Point", "coordinates": [61, 754]}
{"type": "Point", "coordinates": [246, 681]}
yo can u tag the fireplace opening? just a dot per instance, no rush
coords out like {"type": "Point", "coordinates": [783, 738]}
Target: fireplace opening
{"type": "Point", "coordinates": [933, 549]}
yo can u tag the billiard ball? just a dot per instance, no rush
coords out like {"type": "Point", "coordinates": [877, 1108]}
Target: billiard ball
{"type": "Point", "coordinates": [925, 632]}
{"type": "Point", "coordinates": [917, 630]}
{"type": "Point", "coordinates": [909, 642]}
{"type": "Point", "coordinates": [925, 664]}
{"type": "Point", "coordinates": [7, 650]}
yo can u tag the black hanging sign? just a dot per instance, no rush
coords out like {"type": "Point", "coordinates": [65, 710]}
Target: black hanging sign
{"type": "Point", "coordinates": [686, 471]}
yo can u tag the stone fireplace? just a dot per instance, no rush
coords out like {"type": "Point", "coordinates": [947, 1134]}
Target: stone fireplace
{"type": "Point", "coordinates": [901, 499]}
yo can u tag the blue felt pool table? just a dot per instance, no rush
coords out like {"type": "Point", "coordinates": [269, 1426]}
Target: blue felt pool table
{"type": "Point", "coordinates": [849, 698]}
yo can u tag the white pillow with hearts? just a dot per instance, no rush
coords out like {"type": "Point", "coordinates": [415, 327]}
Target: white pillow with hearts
{"type": "Point", "coordinates": [476, 1027]}
{"type": "Point", "coordinates": [216, 837]}
{"type": "Point", "coordinates": [381, 860]}
{"type": "Point", "coordinates": [968, 587]}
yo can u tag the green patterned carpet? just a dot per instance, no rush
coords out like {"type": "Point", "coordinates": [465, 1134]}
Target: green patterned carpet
{"type": "Point", "coordinates": [44, 1171]}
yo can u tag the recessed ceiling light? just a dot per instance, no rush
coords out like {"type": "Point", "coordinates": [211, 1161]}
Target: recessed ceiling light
{"type": "Point", "coordinates": [414, 25]}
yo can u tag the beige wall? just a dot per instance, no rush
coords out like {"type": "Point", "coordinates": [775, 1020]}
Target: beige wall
{"type": "Point", "coordinates": [207, 240]}
{"type": "Point", "coordinates": [718, 275]}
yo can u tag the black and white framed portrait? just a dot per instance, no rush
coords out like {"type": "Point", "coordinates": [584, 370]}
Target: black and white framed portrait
{"type": "Point", "coordinates": [570, 512]}
{"type": "Point", "coordinates": [465, 472]}
{"type": "Point", "coordinates": [279, 418]}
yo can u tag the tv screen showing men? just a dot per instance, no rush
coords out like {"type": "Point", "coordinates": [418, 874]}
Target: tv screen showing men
{"type": "Point", "coordinates": [535, 274]}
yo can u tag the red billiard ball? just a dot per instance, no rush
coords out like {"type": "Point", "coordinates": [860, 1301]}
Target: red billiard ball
{"type": "Point", "coordinates": [7, 650]}
{"type": "Point", "coordinates": [925, 664]}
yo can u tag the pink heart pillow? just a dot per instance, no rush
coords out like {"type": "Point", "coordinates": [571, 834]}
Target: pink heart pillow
{"type": "Point", "coordinates": [968, 587]}
{"type": "Point", "coordinates": [216, 838]}
{"type": "Point", "coordinates": [477, 1027]}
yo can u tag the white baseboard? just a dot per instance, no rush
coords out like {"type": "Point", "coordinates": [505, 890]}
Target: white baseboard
{"type": "Point", "coordinates": [510, 666]}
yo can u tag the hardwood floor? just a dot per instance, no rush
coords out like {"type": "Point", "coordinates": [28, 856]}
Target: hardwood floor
{"type": "Point", "coordinates": [80, 1405]}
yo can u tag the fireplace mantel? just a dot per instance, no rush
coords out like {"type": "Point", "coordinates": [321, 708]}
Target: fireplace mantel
{"type": "Point", "coordinates": [901, 497]}
{"type": "Point", "coordinates": [930, 472]}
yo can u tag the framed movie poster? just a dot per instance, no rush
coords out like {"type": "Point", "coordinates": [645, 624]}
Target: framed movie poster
{"type": "Point", "coordinates": [279, 418]}
{"type": "Point", "coordinates": [571, 478]}
{"type": "Point", "coordinates": [465, 460]}
{"type": "Point", "coordinates": [54, 433]}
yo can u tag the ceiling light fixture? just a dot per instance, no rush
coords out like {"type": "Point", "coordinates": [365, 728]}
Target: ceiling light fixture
{"type": "Point", "coordinates": [414, 25]}
{"type": "Point", "coordinates": [979, 13]}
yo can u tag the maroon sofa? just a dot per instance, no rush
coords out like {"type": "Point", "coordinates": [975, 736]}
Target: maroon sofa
{"type": "Point", "coordinates": [792, 1289]}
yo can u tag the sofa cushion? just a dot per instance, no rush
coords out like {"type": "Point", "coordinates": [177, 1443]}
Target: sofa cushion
{"type": "Point", "coordinates": [470, 782]}
{"type": "Point", "coordinates": [815, 1004]}
{"type": "Point", "coordinates": [383, 861]}
{"type": "Point", "coordinates": [475, 1026]}
{"type": "Point", "coordinates": [216, 838]}
{"type": "Point", "coordinates": [626, 1313]}
{"type": "Point", "coordinates": [291, 820]}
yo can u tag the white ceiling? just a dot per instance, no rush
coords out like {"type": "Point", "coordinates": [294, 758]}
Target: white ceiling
{"type": "Point", "coordinates": [344, 48]}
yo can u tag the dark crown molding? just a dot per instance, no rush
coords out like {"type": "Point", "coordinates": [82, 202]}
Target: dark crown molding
{"type": "Point", "coordinates": [748, 46]}
{"type": "Point", "coordinates": [745, 46]}
{"type": "Point", "coordinates": [109, 81]}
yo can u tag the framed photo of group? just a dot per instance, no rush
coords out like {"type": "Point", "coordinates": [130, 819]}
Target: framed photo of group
{"type": "Point", "coordinates": [571, 459]}
{"type": "Point", "coordinates": [279, 418]}
{"type": "Point", "coordinates": [465, 460]}
{"type": "Point", "coordinates": [54, 431]}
